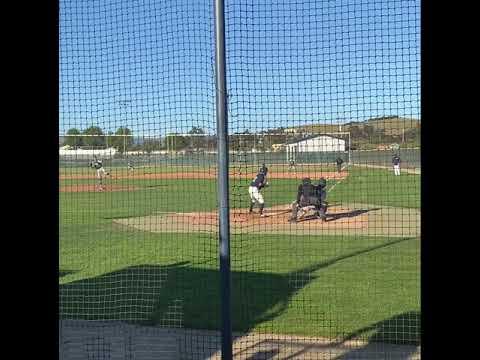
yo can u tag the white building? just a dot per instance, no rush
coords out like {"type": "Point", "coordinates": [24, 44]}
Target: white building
{"type": "Point", "coordinates": [69, 152]}
{"type": "Point", "coordinates": [318, 143]}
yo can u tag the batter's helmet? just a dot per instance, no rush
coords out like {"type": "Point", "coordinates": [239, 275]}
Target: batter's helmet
{"type": "Point", "coordinates": [322, 182]}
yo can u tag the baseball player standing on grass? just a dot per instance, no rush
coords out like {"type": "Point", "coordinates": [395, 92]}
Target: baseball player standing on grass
{"type": "Point", "coordinates": [339, 162]}
{"type": "Point", "coordinates": [101, 173]}
{"type": "Point", "coordinates": [396, 164]}
{"type": "Point", "coordinates": [129, 166]}
{"type": "Point", "coordinates": [256, 185]}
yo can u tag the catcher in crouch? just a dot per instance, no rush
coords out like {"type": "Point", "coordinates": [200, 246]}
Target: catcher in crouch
{"type": "Point", "coordinates": [310, 197]}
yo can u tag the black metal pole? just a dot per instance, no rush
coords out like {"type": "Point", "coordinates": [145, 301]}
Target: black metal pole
{"type": "Point", "coordinates": [223, 199]}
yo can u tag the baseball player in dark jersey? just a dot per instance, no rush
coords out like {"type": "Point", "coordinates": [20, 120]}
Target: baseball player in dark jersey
{"type": "Point", "coordinates": [256, 185]}
{"type": "Point", "coordinates": [307, 195]}
{"type": "Point", "coordinates": [396, 164]}
{"type": "Point", "coordinates": [263, 170]}
{"type": "Point", "coordinates": [291, 165]}
{"type": "Point", "coordinates": [101, 173]}
{"type": "Point", "coordinates": [339, 162]}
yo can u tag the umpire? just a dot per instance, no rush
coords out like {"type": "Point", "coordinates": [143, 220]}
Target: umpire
{"type": "Point", "coordinates": [322, 196]}
{"type": "Point", "coordinates": [307, 194]}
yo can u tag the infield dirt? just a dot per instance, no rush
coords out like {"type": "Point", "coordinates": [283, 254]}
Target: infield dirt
{"type": "Point", "coordinates": [345, 219]}
{"type": "Point", "coordinates": [94, 188]}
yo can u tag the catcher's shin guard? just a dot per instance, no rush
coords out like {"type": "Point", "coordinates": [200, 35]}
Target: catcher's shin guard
{"type": "Point", "coordinates": [293, 217]}
{"type": "Point", "coordinates": [323, 211]}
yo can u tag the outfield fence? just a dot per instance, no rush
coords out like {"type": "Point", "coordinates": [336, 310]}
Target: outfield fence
{"type": "Point", "coordinates": [410, 158]}
{"type": "Point", "coordinates": [173, 244]}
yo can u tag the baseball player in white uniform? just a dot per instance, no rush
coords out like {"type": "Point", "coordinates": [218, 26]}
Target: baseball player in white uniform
{"type": "Point", "coordinates": [101, 173]}
{"type": "Point", "coordinates": [256, 185]}
{"type": "Point", "coordinates": [396, 165]}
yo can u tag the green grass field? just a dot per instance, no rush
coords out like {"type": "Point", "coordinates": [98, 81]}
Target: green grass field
{"type": "Point", "coordinates": [309, 285]}
{"type": "Point", "coordinates": [236, 168]}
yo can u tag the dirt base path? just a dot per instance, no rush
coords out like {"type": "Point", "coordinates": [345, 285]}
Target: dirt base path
{"type": "Point", "coordinates": [353, 219]}
{"type": "Point", "coordinates": [94, 188]}
{"type": "Point", "coordinates": [411, 170]}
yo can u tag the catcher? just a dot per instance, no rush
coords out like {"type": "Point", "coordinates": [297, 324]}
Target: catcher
{"type": "Point", "coordinates": [310, 197]}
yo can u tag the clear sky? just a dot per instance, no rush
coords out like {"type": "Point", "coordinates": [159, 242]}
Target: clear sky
{"type": "Point", "coordinates": [149, 64]}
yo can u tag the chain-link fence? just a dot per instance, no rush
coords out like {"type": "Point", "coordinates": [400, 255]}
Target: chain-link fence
{"type": "Point", "coordinates": [323, 101]}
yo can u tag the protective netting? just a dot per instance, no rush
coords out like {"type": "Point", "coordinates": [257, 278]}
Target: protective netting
{"type": "Point", "coordinates": [134, 77]}
{"type": "Point", "coordinates": [317, 89]}
{"type": "Point", "coordinates": [316, 81]}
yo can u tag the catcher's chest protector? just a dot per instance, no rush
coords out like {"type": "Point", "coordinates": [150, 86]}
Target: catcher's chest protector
{"type": "Point", "coordinates": [308, 190]}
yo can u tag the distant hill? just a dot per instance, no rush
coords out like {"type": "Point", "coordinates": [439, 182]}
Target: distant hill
{"type": "Point", "coordinates": [369, 133]}
{"type": "Point", "coordinates": [393, 125]}
{"type": "Point", "coordinates": [389, 125]}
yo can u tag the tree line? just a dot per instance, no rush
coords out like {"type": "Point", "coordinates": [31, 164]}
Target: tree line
{"type": "Point", "coordinates": [100, 139]}
{"type": "Point", "coordinates": [173, 141]}
{"type": "Point", "coordinates": [362, 137]}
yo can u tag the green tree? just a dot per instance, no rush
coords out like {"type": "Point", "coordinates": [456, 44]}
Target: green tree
{"type": "Point", "coordinates": [197, 142]}
{"type": "Point", "coordinates": [94, 141]}
{"type": "Point", "coordinates": [369, 131]}
{"type": "Point", "coordinates": [196, 130]}
{"type": "Point", "coordinates": [73, 140]}
{"type": "Point", "coordinates": [122, 142]}
{"type": "Point", "coordinates": [176, 142]}
{"type": "Point", "coordinates": [413, 136]}
{"type": "Point", "coordinates": [355, 132]}
{"type": "Point", "coordinates": [150, 145]}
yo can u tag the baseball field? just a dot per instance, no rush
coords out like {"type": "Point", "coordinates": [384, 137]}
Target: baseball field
{"type": "Point", "coordinates": [146, 250]}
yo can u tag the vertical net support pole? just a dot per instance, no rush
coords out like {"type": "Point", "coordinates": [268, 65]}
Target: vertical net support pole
{"type": "Point", "coordinates": [222, 185]}
{"type": "Point", "coordinates": [349, 150]}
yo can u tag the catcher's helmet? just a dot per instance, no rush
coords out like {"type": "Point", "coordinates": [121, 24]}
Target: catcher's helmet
{"type": "Point", "coordinates": [306, 181]}
{"type": "Point", "coordinates": [322, 182]}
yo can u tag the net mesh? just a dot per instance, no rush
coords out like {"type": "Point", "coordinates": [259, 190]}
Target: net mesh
{"type": "Point", "coordinates": [341, 78]}
{"type": "Point", "coordinates": [317, 89]}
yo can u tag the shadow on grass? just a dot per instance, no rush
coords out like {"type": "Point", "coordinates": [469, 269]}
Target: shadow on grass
{"type": "Point", "coordinates": [383, 341]}
{"type": "Point", "coordinates": [403, 329]}
{"type": "Point", "coordinates": [62, 273]}
{"type": "Point", "coordinates": [336, 216]}
{"type": "Point", "coordinates": [182, 296]}
{"type": "Point", "coordinates": [174, 295]}
{"type": "Point", "coordinates": [264, 355]}
{"type": "Point", "coordinates": [349, 214]}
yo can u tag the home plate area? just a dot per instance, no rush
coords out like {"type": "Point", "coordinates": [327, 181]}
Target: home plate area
{"type": "Point", "coordinates": [341, 219]}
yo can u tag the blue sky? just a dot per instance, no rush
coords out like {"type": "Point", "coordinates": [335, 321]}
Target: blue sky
{"type": "Point", "coordinates": [149, 65]}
